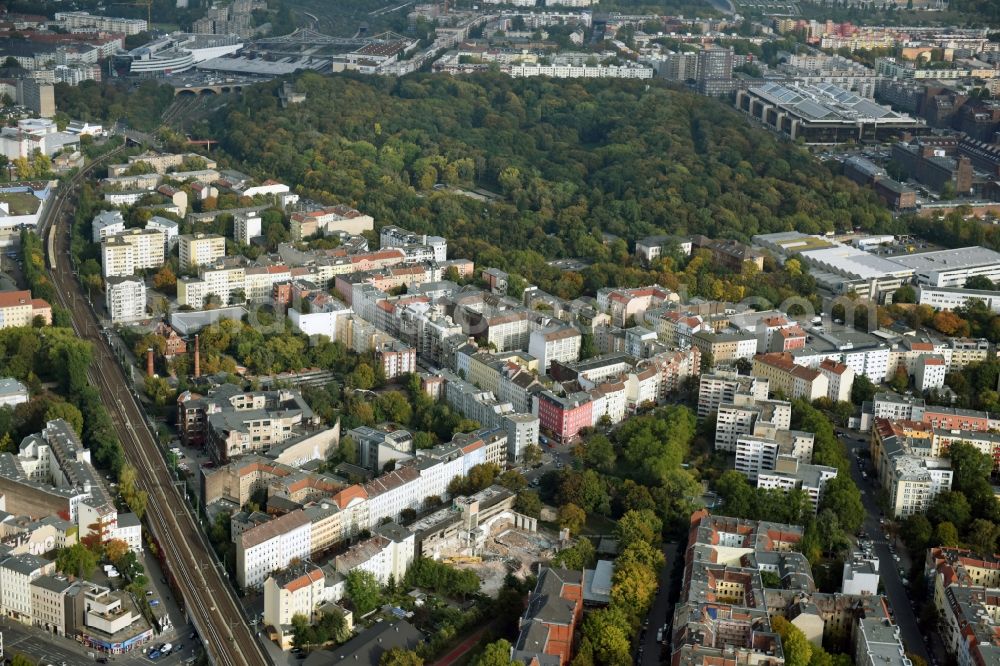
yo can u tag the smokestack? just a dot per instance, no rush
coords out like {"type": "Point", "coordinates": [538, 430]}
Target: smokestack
{"type": "Point", "coordinates": [197, 358]}
{"type": "Point", "coordinates": [149, 362]}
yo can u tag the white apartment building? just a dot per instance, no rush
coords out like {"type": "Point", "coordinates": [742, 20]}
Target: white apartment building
{"type": "Point", "coordinates": [16, 574]}
{"type": "Point", "coordinates": [790, 474]}
{"type": "Point", "coordinates": [390, 236]}
{"type": "Point", "coordinates": [759, 453]}
{"type": "Point", "coordinates": [260, 281]}
{"type": "Point", "coordinates": [293, 591]}
{"type": "Point", "coordinates": [126, 298]}
{"type": "Point", "coordinates": [246, 227]}
{"type": "Point", "coordinates": [929, 372]}
{"type": "Point", "coordinates": [200, 249]}
{"type": "Point", "coordinates": [75, 21]}
{"type": "Point", "coordinates": [717, 388]}
{"type": "Point", "coordinates": [132, 250]}
{"type": "Point", "coordinates": [839, 380]}
{"type": "Point", "coordinates": [386, 555]}
{"type": "Point", "coordinates": [272, 546]}
{"type": "Point", "coordinates": [169, 228]}
{"type": "Point", "coordinates": [327, 321]}
{"type": "Point", "coordinates": [745, 414]}
{"type": "Point", "coordinates": [951, 298]}
{"type": "Point", "coordinates": [554, 343]}
{"type": "Point", "coordinates": [106, 223]}
{"type": "Point", "coordinates": [225, 283]}
{"type": "Point", "coordinates": [913, 482]}
{"type": "Point", "coordinates": [792, 380]}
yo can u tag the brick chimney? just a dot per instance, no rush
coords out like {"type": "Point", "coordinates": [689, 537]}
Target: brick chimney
{"type": "Point", "coordinates": [149, 362]}
{"type": "Point", "coordinates": [197, 358]}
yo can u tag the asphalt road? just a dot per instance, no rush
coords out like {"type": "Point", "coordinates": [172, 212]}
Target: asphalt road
{"type": "Point", "coordinates": [662, 610]}
{"type": "Point", "coordinates": [895, 591]}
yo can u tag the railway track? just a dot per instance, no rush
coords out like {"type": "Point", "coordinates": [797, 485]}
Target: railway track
{"type": "Point", "coordinates": [210, 601]}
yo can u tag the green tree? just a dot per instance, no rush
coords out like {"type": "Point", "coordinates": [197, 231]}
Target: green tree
{"type": "Point", "coordinates": [76, 560]}
{"type": "Point", "coordinates": [599, 453]}
{"type": "Point", "coordinates": [981, 536]}
{"type": "Point", "coordinates": [797, 648]}
{"type": "Point", "coordinates": [863, 390]}
{"type": "Point", "coordinates": [905, 294]}
{"type": "Point", "coordinates": [496, 653]}
{"type": "Point", "coordinates": [950, 507]}
{"type": "Point", "coordinates": [917, 532]}
{"type": "Point", "coordinates": [20, 659]}
{"type": "Point", "coordinates": [636, 526]}
{"type": "Point", "coordinates": [946, 534]}
{"type": "Point", "coordinates": [68, 412]}
{"type": "Point", "coordinates": [608, 632]}
{"type": "Point", "coordinates": [572, 517]}
{"type": "Point", "coordinates": [843, 498]}
{"type": "Point", "coordinates": [363, 590]}
{"type": "Point", "coordinates": [529, 503]}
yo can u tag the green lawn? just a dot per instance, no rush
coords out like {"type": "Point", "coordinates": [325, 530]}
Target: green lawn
{"type": "Point", "coordinates": [20, 203]}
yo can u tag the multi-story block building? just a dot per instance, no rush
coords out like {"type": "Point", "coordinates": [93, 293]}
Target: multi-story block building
{"type": "Point", "coordinates": [132, 250]}
{"type": "Point", "coordinates": [106, 223]}
{"type": "Point", "coordinates": [554, 343]}
{"type": "Point", "coordinates": [757, 453]}
{"type": "Point", "coordinates": [390, 236]}
{"type": "Point", "coordinates": [564, 416]}
{"type": "Point", "coordinates": [839, 378]}
{"type": "Point", "coordinates": [725, 348]}
{"type": "Point", "coordinates": [16, 575]}
{"type": "Point", "coordinates": [792, 380]}
{"type": "Point", "coordinates": [720, 387]}
{"type": "Point", "coordinates": [965, 589]}
{"type": "Point", "coordinates": [790, 473]}
{"type": "Point", "coordinates": [746, 414]}
{"type": "Point", "coordinates": [912, 477]}
{"type": "Point", "coordinates": [297, 590]}
{"type": "Point", "coordinates": [386, 555]}
{"type": "Point", "coordinates": [929, 372]}
{"type": "Point", "coordinates": [200, 249]}
{"type": "Point", "coordinates": [125, 298]}
{"type": "Point", "coordinates": [271, 546]}
{"type": "Point", "coordinates": [547, 627]}
{"type": "Point", "coordinates": [18, 308]}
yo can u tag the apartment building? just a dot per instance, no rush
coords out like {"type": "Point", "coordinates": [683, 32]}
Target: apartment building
{"type": "Point", "coordinates": [725, 348]}
{"type": "Point", "coordinates": [391, 236]}
{"type": "Point", "coordinates": [759, 452]}
{"type": "Point", "coordinates": [297, 590]}
{"type": "Point", "coordinates": [558, 342]}
{"type": "Point", "coordinates": [132, 250]}
{"type": "Point", "coordinates": [965, 588]}
{"type": "Point", "coordinates": [200, 249]}
{"type": "Point", "coordinates": [329, 220]}
{"type": "Point", "coordinates": [625, 304]}
{"type": "Point", "coordinates": [125, 298]}
{"type": "Point", "coordinates": [650, 248]}
{"type": "Point", "coordinates": [271, 546]}
{"type": "Point", "coordinates": [168, 227]}
{"type": "Point", "coordinates": [839, 380]}
{"type": "Point", "coordinates": [16, 575]}
{"type": "Point", "coordinates": [564, 416]}
{"type": "Point", "coordinates": [554, 611]}
{"type": "Point", "coordinates": [106, 223]}
{"type": "Point", "coordinates": [386, 555]}
{"type": "Point", "coordinates": [791, 380]}
{"type": "Point", "coordinates": [929, 372]}
{"type": "Point", "coordinates": [746, 414]}
{"type": "Point", "coordinates": [18, 308]}
{"type": "Point", "coordinates": [246, 227]}
{"type": "Point", "coordinates": [76, 21]}
{"type": "Point", "coordinates": [878, 643]}
{"type": "Point", "coordinates": [790, 473]}
{"type": "Point", "coordinates": [911, 475]}
{"type": "Point", "coordinates": [719, 387]}
{"type": "Point", "coordinates": [227, 283]}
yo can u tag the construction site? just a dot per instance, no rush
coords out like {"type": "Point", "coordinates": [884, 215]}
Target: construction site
{"type": "Point", "coordinates": [484, 534]}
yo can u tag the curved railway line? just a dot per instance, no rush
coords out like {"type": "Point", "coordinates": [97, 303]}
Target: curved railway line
{"type": "Point", "coordinates": [208, 598]}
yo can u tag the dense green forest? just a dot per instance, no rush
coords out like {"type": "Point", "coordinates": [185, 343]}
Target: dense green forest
{"type": "Point", "coordinates": [570, 159]}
